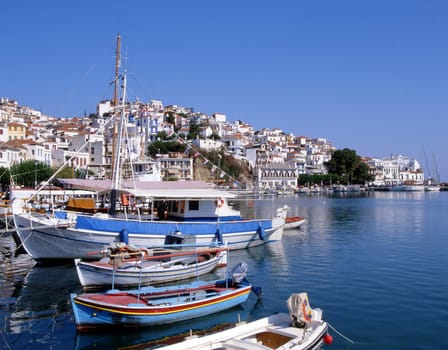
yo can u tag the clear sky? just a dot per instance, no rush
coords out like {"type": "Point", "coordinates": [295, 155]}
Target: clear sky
{"type": "Point", "coordinates": [370, 75]}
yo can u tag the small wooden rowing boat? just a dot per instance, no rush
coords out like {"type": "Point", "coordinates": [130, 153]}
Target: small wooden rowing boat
{"type": "Point", "coordinates": [149, 306]}
{"type": "Point", "coordinates": [302, 329]}
{"type": "Point", "coordinates": [148, 266]}
{"type": "Point", "coordinates": [292, 222]}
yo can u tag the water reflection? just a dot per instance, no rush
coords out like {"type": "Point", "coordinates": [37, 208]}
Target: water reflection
{"type": "Point", "coordinates": [44, 293]}
{"type": "Point", "coordinates": [355, 256]}
{"type": "Point", "coordinates": [154, 336]}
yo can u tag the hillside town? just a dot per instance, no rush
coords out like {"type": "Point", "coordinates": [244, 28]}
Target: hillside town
{"type": "Point", "coordinates": [275, 158]}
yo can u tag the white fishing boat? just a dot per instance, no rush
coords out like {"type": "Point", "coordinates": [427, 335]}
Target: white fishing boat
{"type": "Point", "coordinates": [129, 266]}
{"type": "Point", "coordinates": [196, 214]}
{"type": "Point", "coordinates": [302, 329]}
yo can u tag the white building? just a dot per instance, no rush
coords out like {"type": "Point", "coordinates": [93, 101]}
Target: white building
{"type": "Point", "coordinates": [10, 155]}
{"type": "Point", "coordinates": [276, 176]}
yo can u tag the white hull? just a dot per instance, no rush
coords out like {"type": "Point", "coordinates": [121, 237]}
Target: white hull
{"type": "Point", "coordinates": [408, 188]}
{"type": "Point", "coordinates": [272, 332]}
{"type": "Point", "coordinates": [294, 223]}
{"type": "Point", "coordinates": [45, 238]}
{"type": "Point", "coordinates": [96, 274]}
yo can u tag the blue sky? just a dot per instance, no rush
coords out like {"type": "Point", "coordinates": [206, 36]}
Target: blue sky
{"type": "Point", "coordinates": [370, 75]}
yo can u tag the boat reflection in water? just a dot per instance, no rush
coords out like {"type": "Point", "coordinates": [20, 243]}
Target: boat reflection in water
{"type": "Point", "coordinates": [43, 294]}
{"type": "Point", "coordinates": [161, 335]}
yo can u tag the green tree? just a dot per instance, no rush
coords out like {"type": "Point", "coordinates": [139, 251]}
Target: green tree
{"type": "Point", "coordinates": [317, 179]}
{"type": "Point", "coordinates": [70, 173]}
{"type": "Point", "coordinates": [163, 147]}
{"type": "Point", "coordinates": [348, 166]}
{"type": "Point", "coordinates": [30, 173]}
{"type": "Point", "coordinates": [5, 178]}
{"type": "Point", "coordinates": [169, 118]}
{"type": "Point", "coordinates": [194, 131]}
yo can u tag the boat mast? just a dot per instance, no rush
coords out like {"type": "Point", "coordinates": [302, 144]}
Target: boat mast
{"type": "Point", "coordinates": [117, 66]}
{"type": "Point", "coordinates": [436, 169]}
{"type": "Point", "coordinates": [427, 164]}
{"type": "Point", "coordinates": [115, 154]}
{"type": "Point", "coordinates": [115, 101]}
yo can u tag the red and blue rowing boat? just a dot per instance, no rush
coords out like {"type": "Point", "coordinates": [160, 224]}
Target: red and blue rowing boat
{"type": "Point", "coordinates": [150, 306]}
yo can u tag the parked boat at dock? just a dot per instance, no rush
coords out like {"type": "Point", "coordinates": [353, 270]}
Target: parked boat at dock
{"type": "Point", "coordinates": [163, 213]}
{"type": "Point", "coordinates": [128, 266]}
{"type": "Point", "coordinates": [293, 222]}
{"type": "Point", "coordinates": [302, 329]}
{"type": "Point", "coordinates": [150, 306]}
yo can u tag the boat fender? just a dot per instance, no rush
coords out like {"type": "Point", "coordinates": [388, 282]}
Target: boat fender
{"type": "Point", "coordinates": [328, 339]}
{"type": "Point", "coordinates": [124, 236]}
{"type": "Point", "coordinates": [261, 233]}
{"type": "Point", "coordinates": [218, 236]}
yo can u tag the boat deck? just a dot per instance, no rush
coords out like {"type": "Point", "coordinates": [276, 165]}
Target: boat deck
{"type": "Point", "coordinates": [169, 297]}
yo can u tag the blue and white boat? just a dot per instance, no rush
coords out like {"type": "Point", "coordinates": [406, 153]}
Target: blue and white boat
{"type": "Point", "coordinates": [194, 214]}
{"type": "Point", "coordinates": [151, 306]}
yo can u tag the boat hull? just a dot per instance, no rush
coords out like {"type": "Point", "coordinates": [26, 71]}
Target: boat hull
{"type": "Point", "coordinates": [272, 332]}
{"type": "Point", "coordinates": [108, 309]}
{"type": "Point", "coordinates": [46, 239]}
{"type": "Point", "coordinates": [294, 222]}
{"type": "Point", "coordinates": [96, 274]}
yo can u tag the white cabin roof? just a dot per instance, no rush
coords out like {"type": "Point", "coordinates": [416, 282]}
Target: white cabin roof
{"type": "Point", "coordinates": [152, 189]}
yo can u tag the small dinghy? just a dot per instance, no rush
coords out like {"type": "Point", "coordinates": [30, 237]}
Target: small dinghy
{"type": "Point", "coordinates": [302, 329]}
{"type": "Point", "coordinates": [293, 222]}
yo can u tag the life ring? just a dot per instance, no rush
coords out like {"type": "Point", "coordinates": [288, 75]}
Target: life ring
{"type": "Point", "coordinates": [219, 202]}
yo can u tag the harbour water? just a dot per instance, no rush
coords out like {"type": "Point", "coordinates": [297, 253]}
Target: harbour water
{"type": "Point", "coordinates": [376, 263]}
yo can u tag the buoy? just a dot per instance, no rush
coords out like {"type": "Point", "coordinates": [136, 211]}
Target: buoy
{"type": "Point", "coordinates": [328, 339]}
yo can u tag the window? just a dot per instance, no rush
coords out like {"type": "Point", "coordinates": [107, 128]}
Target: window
{"type": "Point", "coordinates": [193, 205]}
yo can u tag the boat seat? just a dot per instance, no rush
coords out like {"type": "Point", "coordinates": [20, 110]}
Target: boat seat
{"type": "Point", "coordinates": [238, 344]}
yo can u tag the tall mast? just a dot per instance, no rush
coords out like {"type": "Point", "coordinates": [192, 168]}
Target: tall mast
{"type": "Point", "coordinates": [117, 66]}
{"type": "Point", "coordinates": [115, 101]}
{"type": "Point", "coordinates": [115, 157]}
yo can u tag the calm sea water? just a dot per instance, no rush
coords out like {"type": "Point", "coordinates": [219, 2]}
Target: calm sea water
{"type": "Point", "coordinates": [376, 263]}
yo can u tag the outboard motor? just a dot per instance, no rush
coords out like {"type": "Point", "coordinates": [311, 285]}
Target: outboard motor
{"type": "Point", "coordinates": [300, 310]}
{"type": "Point", "coordinates": [239, 273]}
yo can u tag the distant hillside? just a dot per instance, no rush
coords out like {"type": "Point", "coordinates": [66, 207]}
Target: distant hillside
{"type": "Point", "coordinates": [233, 167]}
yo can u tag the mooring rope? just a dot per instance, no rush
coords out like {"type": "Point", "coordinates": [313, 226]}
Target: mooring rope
{"type": "Point", "coordinates": [340, 334]}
